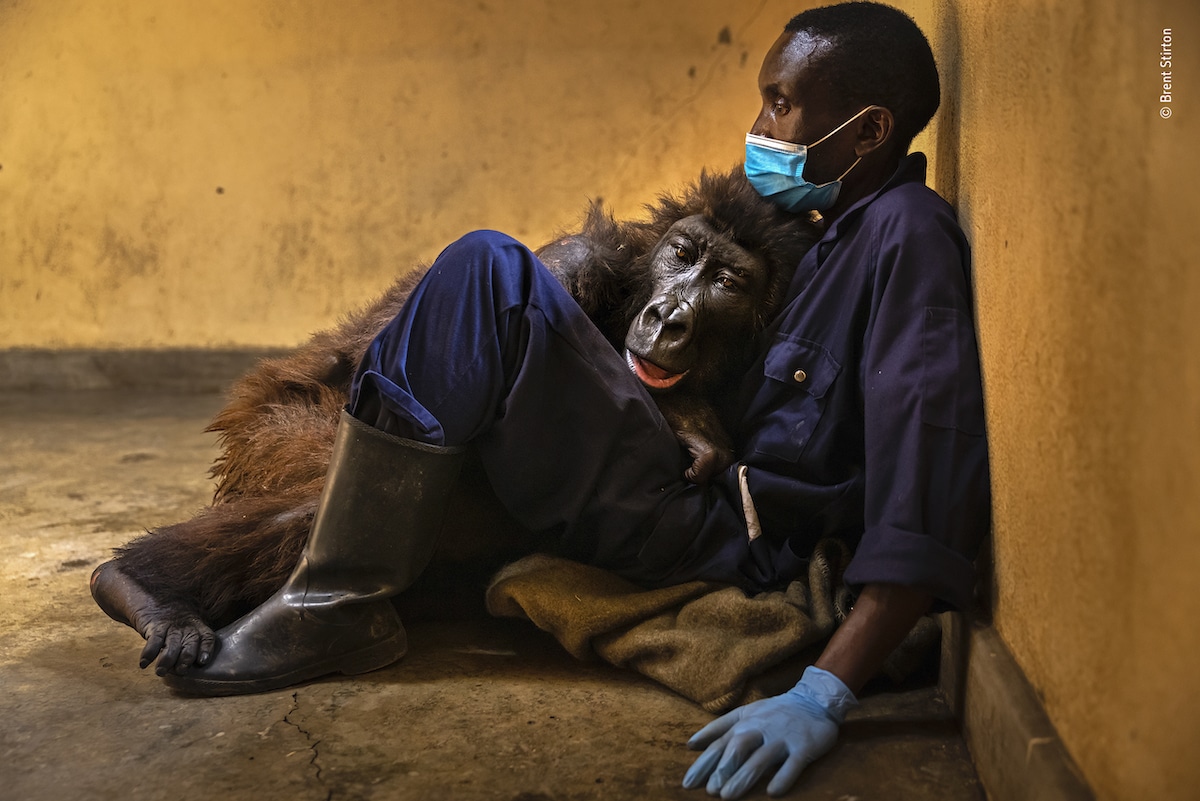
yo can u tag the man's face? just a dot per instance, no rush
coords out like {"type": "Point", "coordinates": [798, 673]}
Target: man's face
{"type": "Point", "coordinates": [797, 105]}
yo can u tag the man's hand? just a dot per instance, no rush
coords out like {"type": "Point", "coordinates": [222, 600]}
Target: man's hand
{"type": "Point", "coordinates": [801, 725]}
{"type": "Point", "coordinates": [788, 731]}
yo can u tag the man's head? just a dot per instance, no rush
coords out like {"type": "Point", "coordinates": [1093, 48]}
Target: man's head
{"type": "Point", "coordinates": [833, 62]}
{"type": "Point", "coordinates": [875, 55]}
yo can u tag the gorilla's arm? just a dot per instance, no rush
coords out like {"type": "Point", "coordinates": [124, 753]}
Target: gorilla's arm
{"type": "Point", "coordinates": [568, 258]}
{"type": "Point", "coordinates": [599, 270]}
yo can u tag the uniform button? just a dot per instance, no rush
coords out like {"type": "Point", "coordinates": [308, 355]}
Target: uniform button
{"type": "Point", "coordinates": [799, 375]}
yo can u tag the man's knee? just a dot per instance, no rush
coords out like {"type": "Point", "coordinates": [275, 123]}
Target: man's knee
{"type": "Point", "coordinates": [485, 241]}
{"type": "Point", "coordinates": [483, 251]}
{"type": "Point", "coordinates": [489, 269]}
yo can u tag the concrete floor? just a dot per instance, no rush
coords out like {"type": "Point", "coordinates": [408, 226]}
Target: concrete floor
{"type": "Point", "coordinates": [480, 709]}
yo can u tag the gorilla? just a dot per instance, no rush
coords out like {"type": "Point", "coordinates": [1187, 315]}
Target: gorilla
{"type": "Point", "coordinates": [682, 293]}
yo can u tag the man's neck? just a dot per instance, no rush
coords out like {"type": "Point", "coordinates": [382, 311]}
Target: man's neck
{"type": "Point", "coordinates": [872, 177]}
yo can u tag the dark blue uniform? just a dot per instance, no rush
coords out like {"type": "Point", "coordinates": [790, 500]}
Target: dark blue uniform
{"type": "Point", "coordinates": [862, 419]}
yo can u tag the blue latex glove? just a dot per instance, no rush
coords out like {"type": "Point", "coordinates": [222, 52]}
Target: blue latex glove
{"type": "Point", "coordinates": [789, 730]}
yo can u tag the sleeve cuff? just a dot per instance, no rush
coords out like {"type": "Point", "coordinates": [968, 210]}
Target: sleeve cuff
{"type": "Point", "coordinates": [891, 556]}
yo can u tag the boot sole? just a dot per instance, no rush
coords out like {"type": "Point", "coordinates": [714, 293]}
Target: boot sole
{"type": "Point", "coordinates": [374, 657]}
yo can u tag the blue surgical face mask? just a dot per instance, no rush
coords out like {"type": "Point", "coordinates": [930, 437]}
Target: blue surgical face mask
{"type": "Point", "coordinates": [776, 171]}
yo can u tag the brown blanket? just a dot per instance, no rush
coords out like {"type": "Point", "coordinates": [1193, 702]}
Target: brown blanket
{"type": "Point", "coordinates": [709, 642]}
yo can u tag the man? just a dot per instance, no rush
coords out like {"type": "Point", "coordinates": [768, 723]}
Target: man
{"type": "Point", "coordinates": [862, 419]}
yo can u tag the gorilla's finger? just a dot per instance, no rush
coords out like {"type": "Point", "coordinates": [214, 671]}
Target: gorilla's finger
{"type": "Point", "coordinates": [191, 649]}
{"type": "Point", "coordinates": [703, 468]}
{"type": "Point", "coordinates": [170, 654]}
{"type": "Point", "coordinates": [208, 646]}
{"type": "Point", "coordinates": [155, 638]}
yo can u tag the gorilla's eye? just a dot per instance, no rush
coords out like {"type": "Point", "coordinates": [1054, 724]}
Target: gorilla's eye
{"type": "Point", "coordinates": [726, 282]}
{"type": "Point", "coordinates": [682, 254]}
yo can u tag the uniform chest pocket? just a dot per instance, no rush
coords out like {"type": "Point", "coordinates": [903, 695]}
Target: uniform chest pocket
{"type": "Point", "coordinates": [800, 373]}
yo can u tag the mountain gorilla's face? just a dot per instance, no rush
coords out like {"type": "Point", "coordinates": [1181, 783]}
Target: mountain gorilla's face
{"type": "Point", "coordinates": [702, 310]}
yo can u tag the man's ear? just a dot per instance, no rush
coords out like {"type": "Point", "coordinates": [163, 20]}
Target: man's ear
{"type": "Point", "coordinates": [874, 130]}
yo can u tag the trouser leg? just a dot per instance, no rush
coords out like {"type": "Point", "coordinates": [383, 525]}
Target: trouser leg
{"type": "Point", "coordinates": [490, 350]}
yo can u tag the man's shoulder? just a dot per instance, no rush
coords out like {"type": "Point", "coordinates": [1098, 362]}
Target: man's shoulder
{"type": "Point", "coordinates": [911, 215]}
{"type": "Point", "coordinates": [912, 202]}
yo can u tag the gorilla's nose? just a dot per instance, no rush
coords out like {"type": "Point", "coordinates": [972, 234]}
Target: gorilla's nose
{"type": "Point", "coordinates": [672, 317]}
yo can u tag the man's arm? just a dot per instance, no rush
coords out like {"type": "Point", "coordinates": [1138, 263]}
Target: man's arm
{"type": "Point", "coordinates": [927, 500]}
{"type": "Point", "coordinates": [882, 616]}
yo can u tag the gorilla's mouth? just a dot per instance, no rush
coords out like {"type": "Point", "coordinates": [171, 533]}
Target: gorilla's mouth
{"type": "Point", "coordinates": [650, 374]}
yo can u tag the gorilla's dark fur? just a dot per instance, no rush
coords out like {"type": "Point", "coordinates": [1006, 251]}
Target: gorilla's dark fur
{"type": "Point", "coordinates": [277, 429]}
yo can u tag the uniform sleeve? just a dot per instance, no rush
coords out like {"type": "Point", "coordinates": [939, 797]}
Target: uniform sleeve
{"type": "Point", "coordinates": [927, 490]}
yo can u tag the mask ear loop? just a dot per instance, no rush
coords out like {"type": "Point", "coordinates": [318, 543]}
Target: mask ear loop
{"type": "Point", "coordinates": [840, 127]}
{"type": "Point", "coordinates": [851, 167]}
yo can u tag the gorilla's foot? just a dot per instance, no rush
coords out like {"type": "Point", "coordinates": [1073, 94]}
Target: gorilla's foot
{"type": "Point", "coordinates": [176, 635]}
{"type": "Point", "coordinates": [280, 644]}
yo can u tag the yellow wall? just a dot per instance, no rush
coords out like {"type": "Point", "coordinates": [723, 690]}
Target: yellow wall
{"type": "Point", "coordinates": [1082, 206]}
{"type": "Point", "coordinates": [240, 173]}
{"type": "Point", "coordinates": [353, 139]}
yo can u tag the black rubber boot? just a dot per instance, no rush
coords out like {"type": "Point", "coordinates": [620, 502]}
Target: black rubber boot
{"type": "Point", "coordinates": [374, 532]}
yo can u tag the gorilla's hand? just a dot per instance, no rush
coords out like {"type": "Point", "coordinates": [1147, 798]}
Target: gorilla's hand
{"type": "Point", "coordinates": [698, 429]}
{"type": "Point", "coordinates": [708, 458]}
{"type": "Point", "coordinates": [177, 636]}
